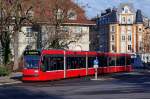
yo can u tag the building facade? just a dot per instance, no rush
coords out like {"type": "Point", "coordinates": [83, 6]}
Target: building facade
{"type": "Point", "coordinates": [34, 37]}
{"type": "Point", "coordinates": [121, 30]}
{"type": "Point", "coordinates": [42, 13]}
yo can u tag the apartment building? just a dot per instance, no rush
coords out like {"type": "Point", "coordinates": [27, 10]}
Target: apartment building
{"type": "Point", "coordinates": [121, 30]}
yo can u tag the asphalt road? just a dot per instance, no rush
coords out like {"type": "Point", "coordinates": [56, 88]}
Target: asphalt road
{"type": "Point", "coordinates": [134, 85]}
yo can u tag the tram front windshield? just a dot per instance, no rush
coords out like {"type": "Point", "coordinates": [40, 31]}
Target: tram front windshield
{"type": "Point", "coordinates": [31, 61]}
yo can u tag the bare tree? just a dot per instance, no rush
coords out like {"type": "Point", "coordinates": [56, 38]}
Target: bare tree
{"type": "Point", "coordinates": [58, 34]}
{"type": "Point", "coordinates": [14, 18]}
{"type": "Point", "coordinates": [54, 14]}
{"type": "Point", "coordinates": [4, 32]}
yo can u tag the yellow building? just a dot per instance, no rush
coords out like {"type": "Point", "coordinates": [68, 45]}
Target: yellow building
{"type": "Point", "coordinates": [121, 30]}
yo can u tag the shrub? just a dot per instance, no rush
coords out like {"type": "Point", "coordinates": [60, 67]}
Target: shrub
{"type": "Point", "coordinates": [4, 71]}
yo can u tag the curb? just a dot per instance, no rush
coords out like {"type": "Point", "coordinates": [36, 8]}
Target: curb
{"type": "Point", "coordinates": [10, 83]}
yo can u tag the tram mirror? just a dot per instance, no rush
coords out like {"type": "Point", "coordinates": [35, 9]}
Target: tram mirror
{"type": "Point", "coordinates": [42, 59]}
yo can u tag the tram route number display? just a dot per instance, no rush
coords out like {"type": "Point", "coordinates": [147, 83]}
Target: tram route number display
{"type": "Point", "coordinates": [31, 53]}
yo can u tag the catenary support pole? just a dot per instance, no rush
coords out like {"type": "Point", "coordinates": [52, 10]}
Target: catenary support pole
{"type": "Point", "coordinates": [64, 64]}
{"type": "Point", "coordinates": [86, 63]}
{"type": "Point", "coordinates": [95, 73]}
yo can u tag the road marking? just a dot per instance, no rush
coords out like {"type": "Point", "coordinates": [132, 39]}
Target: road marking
{"type": "Point", "coordinates": [97, 79]}
{"type": "Point", "coordinates": [146, 82]}
{"type": "Point", "coordinates": [103, 79]}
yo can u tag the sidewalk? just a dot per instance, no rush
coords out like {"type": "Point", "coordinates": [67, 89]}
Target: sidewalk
{"type": "Point", "coordinates": [13, 78]}
{"type": "Point", "coordinates": [141, 70]}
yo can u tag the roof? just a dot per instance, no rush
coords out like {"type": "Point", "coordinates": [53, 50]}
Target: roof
{"type": "Point", "coordinates": [107, 18]}
{"type": "Point", "coordinates": [122, 5]}
{"type": "Point", "coordinates": [139, 17]}
{"type": "Point", "coordinates": [44, 10]}
{"type": "Point", "coordinates": [80, 22]}
{"type": "Point", "coordinates": [111, 16]}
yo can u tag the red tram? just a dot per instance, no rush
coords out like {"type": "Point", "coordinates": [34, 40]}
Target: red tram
{"type": "Point", "coordinates": [59, 64]}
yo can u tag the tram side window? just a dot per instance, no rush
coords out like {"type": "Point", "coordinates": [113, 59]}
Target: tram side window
{"type": "Point", "coordinates": [54, 63]}
{"type": "Point", "coordinates": [102, 61]}
{"type": "Point", "coordinates": [120, 61]}
{"type": "Point", "coordinates": [112, 61]}
{"type": "Point", "coordinates": [90, 61]}
{"type": "Point", "coordinates": [76, 62]}
{"type": "Point", "coordinates": [70, 62]}
{"type": "Point", "coordinates": [82, 62]}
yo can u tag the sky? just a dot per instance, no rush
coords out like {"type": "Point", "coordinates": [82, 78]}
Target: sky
{"type": "Point", "coordinates": [94, 7]}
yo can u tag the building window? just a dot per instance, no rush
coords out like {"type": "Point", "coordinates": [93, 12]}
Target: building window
{"type": "Point", "coordinates": [29, 32]}
{"type": "Point", "coordinates": [123, 38]}
{"type": "Point", "coordinates": [29, 29]}
{"type": "Point", "coordinates": [140, 29]}
{"type": "Point", "coordinates": [129, 20]}
{"type": "Point", "coordinates": [129, 47]}
{"type": "Point", "coordinates": [129, 28]}
{"type": "Point", "coordinates": [123, 19]}
{"type": "Point", "coordinates": [140, 47]}
{"type": "Point", "coordinates": [59, 14]}
{"type": "Point", "coordinates": [77, 29]}
{"type": "Point", "coordinates": [129, 38]}
{"type": "Point", "coordinates": [112, 28]}
{"type": "Point", "coordinates": [72, 15]}
{"type": "Point", "coordinates": [112, 38]}
{"type": "Point", "coordinates": [123, 29]}
{"type": "Point", "coordinates": [112, 47]}
{"type": "Point", "coordinates": [126, 10]}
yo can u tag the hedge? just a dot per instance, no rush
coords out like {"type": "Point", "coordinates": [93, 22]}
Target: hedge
{"type": "Point", "coordinates": [4, 71]}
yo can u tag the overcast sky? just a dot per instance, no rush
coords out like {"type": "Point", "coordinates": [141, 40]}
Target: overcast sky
{"type": "Point", "coordinates": [94, 7]}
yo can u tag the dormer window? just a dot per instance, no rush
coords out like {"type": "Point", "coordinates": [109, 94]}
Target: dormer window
{"type": "Point", "coordinates": [126, 10]}
{"type": "Point", "coordinates": [59, 14]}
{"type": "Point", "coordinates": [72, 15]}
{"type": "Point", "coordinates": [30, 14]}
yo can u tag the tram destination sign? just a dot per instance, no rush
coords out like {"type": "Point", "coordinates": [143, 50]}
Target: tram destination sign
{"type": "Point", "coordinates": [32, 52]}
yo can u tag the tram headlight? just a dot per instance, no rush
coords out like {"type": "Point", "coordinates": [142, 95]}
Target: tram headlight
{"type": "Point", "coordinates": [36, 71]}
